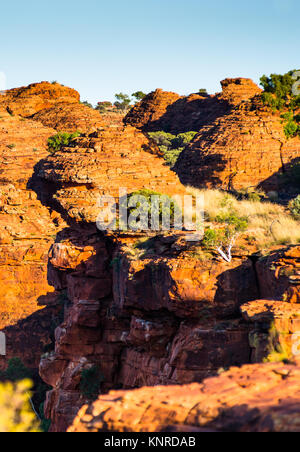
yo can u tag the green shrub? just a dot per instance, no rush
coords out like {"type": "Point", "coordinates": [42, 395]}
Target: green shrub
{"type": "Point", "coordinates": [139, 95]}
{"type": "Point", "coordinates": [294, 207]}
{"type": "Point", "coordinates": [167, 207]}
{"type": "Point", "coordinates": [278, 95]}
{"type": "Point", "coordinates": [280, 85]}
{"type": "Point", "coordinates": [238, 224]}
{"type": "Point", "coordinates": [56, 142]}
{"type": "Point", "coordinates": [291, 127]}
{"type": "Point", "coordinates": [15, 371]}
{"type": "Point", "coordinates": [90, 382]}
{"type": "Point", "coordinates": [170, 145]}
{"type": "Point", "coordinates": [211, 238]}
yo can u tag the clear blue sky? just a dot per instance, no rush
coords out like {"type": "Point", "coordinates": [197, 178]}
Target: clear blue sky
{"type": "Point", "coordinates": [101, 47]}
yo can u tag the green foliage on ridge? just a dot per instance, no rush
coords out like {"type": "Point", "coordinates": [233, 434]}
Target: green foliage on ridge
{"type": "Point", "coordinates": [56, 142]}
{"type": "Point", "coordinates": [278, 95]}
{"type": "Point", "coordinates": [167, 207]}
{"type": "Point", "coordinates": [172, 145]}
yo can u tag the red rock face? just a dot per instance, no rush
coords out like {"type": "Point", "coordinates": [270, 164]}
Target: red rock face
{"type": "Point", "coordinates": [260, 398]}
{"type": "Point", "coordinates": [29, 307]}
{"type": "Point", "coordinates": [152, 317]}
{"type": "Point", "coordinates": [162, 110]}
{"type": "Point", "coordinates": [28, 304]}
{"type": "Point", "coordinates": [70, 117]}
{"type": "Point", "coordinates": [164, 321]}
{"type": "Point", "coordinates": [279, 280]}
{"type": "Point", "coordinates": [29, 100]}
{"type": "Point", "coordinates": [279, 274]}
{"type": "Point", "coordinates": [100, 164]}
{"type": "Point", "coordinates": [245, 148]}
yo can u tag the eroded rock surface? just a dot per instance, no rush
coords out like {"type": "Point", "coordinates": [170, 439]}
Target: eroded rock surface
{"type": "Point", "coordinates": [162, 110]}
{"type": "Point", "coordinates": [245, 148]}
{"type": "Point", "coordinates": [70, 117]}
{"type": "Point", "coordinates": [28, 100]}
{"type": "Point", "coordinates": [257, 398]}
{"type": "Point", "coordinates": [28, 305]}
{"type": "Point", "coordinates": [143, 321]}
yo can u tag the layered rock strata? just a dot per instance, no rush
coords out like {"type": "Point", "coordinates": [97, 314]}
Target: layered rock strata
{"type": "Point", "coordinates": [257, 398]}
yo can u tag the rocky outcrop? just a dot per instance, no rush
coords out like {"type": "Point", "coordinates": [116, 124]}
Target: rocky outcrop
{"type": "Point", "coordinates": [257, 398]}
{"type": "Point", "coordinates": [161, 110]}
{"type": "Point", "coordinates": [150, 319]}
{"type": "Point", "coordinates": [28, 307]}
{"type": "Point", "coordinates": [141, 309]}
{"type": "Point", "coordinates": [101, 164]}
{"type": "Point", "coordinates": [232, 125]}
{"type": "Point", "coordinates": [70, 117]}
{"type": "Point", "coordinates": [279, 274]}
{"type": "Point", "coordinates": [29, 100]}
{"type": "Point", "coordinates": [151, 109]}
{"type": "Point", "coordinates": [243, 149]}
{"type": "Point", "coordinates": [141, 321]}
{"type": "Point", "coordinates": [144, 316]}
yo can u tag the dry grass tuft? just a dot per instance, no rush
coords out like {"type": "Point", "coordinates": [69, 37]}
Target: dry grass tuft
{"type": "Point", "coordinates": [269, 223]}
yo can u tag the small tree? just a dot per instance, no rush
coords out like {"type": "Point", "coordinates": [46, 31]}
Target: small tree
{"type": "Point", "coordinates": [123, 101]}
{"type": "Point", "coordinates": [223, 239]}
{"type": "Point", "coordinates": [102, 107]}
{"type": "Point", "coordinates": [139, 95]}
{"type": "Point", "coordinates": [87, 104]}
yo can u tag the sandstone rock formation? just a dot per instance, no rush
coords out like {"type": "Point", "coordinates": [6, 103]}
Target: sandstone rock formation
{"type": "Point", "coordinates": [257, 398]}
{"type": "Point", "coordinates": [27, 229]}
{"type": "Point", "coordinates": [246, 148]}
{"type": "Point", "coordinates": [70, 117]}
{"type": "Point", "coordinates": [141, 307]}
{"type": "Point", "coordinates": [279, 280]}
{"type": "Point", "coordinates": [142, 321]}
{"type": "Point", "coordinates": [100, 164]}
{"type": "Point", "coordinates": [29, 100]}
{"type": "Point", "coordinates": [161, 110]}
{"type": "Point", "coordinates": [240, 144]}
{"type": "Point", "coordinates": [150, 320]}
{"type": "Point", "coordinates": [30, 309]}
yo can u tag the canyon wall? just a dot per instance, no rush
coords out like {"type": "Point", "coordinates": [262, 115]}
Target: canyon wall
{"type": "Point", "coordinates": [144, 309]}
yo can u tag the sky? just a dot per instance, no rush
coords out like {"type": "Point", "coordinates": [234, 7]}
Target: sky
{"type": "Point", "coordinates": [102, 47]}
